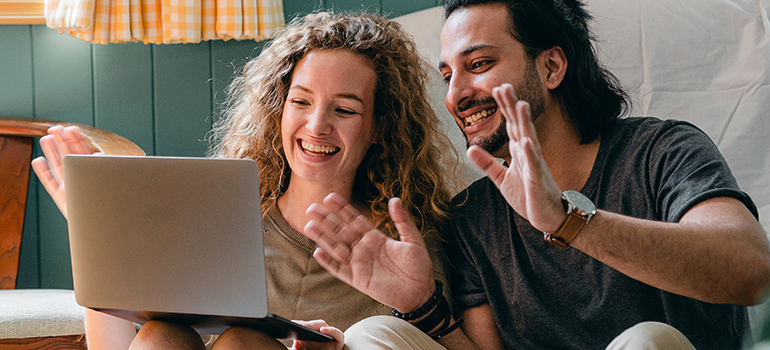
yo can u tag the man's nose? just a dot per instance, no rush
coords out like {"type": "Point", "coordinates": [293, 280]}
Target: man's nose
{"type": "Point", "coordinates": [458, 92]}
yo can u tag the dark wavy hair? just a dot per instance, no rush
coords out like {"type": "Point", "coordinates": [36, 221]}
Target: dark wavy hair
{"type": "Point", "coordinates": [591, 95]}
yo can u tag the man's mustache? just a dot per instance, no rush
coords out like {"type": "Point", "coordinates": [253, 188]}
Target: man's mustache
{"type": "Point", "coordinates": [474, 103]}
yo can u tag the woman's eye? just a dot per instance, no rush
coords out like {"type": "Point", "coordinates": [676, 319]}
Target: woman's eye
{"type": "Point", "coordinates": [346, 111]}
{"type": "Point", "coordinates": [300, 102]}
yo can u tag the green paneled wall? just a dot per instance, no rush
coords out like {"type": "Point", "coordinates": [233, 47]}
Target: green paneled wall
{"type": "Point", "coordinates": [162, 97]}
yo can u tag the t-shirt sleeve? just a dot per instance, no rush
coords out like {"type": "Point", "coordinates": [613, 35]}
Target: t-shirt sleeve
{"type": "Point", "coordinates": [688, 169]}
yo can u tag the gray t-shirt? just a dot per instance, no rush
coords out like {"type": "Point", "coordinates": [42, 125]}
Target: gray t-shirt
{"type": "Point", "coordinates": [548, 298]}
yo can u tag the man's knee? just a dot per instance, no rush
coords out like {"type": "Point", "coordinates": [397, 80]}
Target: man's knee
{"type": "Point", "coordinates": [650, 336]}
{"type": "Point", "coordinates": [375, 330]}
{"type": "Point", "coordinates": [387, 332]}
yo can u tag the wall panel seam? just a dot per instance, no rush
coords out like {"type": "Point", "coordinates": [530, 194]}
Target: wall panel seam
{"type": "Point", "coordinates": [212, 91]}
{"type": "Point", "coordinates": [32, 68]}
{"type": "Point", "coordinates": [93, 86]}
{"type": "Point", "coordinates": [152, 100]}
{"type": "Point", "coordinates": [38, 255]}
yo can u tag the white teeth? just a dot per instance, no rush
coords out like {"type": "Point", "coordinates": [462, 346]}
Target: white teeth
{"type": "Point", "coordinates": [477, 117]}
{"type": "Point", "coordinates": [318, 149]}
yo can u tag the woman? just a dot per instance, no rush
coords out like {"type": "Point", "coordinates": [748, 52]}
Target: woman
{"type": "Point", "coordinates": [334, 104]}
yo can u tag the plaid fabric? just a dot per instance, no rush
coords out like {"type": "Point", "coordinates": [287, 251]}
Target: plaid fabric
{"type": "Point", "coordinates": [69, 14]}
{"type": "Point", "coordinates": [164, 21]}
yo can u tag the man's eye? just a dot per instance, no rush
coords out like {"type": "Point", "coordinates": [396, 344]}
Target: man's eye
{"type": "Point", "coordinates": [478, 64]}
{"type": "Point", "coordinates": [447, 78]}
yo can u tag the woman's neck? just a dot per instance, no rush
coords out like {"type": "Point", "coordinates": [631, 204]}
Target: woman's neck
{"type": "Point", "coordinates": [301, 194]}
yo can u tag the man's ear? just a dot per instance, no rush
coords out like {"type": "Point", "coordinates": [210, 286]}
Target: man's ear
{"type": "Point", "coordinates": [555, 66]}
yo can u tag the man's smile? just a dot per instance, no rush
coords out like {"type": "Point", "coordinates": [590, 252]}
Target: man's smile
{"type": "Point", "coordinates": [479, 116]}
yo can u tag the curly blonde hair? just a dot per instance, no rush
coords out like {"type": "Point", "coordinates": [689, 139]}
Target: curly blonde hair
{"type": "Point", "coordinates": [409, 155]}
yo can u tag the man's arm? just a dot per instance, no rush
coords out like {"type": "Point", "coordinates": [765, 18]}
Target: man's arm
{"type": "Point", "coordinates": [479, 331]}
{"type": "Point", "coordinates": [717, 253]}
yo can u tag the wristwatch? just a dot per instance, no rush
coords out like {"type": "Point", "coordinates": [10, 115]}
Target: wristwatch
{"type": "Point", "coordinates": [580, 210]}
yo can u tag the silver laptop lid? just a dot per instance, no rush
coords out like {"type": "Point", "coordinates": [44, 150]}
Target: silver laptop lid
{"type": "Point", "coordinates": [161, 234]}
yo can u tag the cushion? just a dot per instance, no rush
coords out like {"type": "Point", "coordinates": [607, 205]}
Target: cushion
{"type": "Point", "coordinates": [29, 313]}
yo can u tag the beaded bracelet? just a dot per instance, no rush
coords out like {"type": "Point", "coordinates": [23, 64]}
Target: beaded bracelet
{"type": "Point", "coordinates": [423, 310]}
{"type": "Point", "coordinates": [438, 322]}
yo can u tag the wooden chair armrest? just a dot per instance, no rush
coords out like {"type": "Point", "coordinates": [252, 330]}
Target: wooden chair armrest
{"type": "Point", "coordinates": [16, 145]}
{"type": "Point", "coordinates": [103, 140]}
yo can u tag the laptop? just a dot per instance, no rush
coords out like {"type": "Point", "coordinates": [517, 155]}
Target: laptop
{"type": "Point", "coordinates": [172, 239]}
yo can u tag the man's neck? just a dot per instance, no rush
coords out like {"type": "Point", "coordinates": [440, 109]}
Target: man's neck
{"type": "Point", "coordinates": [569, 161]}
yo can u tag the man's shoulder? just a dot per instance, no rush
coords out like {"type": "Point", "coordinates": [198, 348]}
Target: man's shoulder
{"type": "Point", "coordinates": [649, 125]}
{"type": "Point", "coordinates": [634, 136]}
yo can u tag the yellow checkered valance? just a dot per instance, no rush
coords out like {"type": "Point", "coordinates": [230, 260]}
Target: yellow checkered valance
{"type": "Point", "coordinates": [164, 21]}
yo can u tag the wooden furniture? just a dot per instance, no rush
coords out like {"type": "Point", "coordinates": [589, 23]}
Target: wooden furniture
{"type": "Point", "coordinates": [16, 145]}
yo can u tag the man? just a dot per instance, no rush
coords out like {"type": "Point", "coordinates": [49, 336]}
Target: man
{"type": "Point", "coordinates": [673, 240]}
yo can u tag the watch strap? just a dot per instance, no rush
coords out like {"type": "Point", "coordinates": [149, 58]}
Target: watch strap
{"type": "Point", "coordinates": [567, 232]}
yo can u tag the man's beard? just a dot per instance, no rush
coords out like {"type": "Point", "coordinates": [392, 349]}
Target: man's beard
{"type": "Point", "coordinates": [529, 91]}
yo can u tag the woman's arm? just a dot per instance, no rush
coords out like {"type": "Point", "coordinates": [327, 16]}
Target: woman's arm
{"type": "Point", "coordinates": [104, 331]}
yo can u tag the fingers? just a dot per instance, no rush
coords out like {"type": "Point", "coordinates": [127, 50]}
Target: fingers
{"type": "Point", "coordinates": [405, 226]}
{"type": "Point", "coordinates": [336, 226]}
{"type": "Point", "coordinates": [487, 163]}
{"type": "Point", "coordinates": [329, 232]}
{"type": "Point", "coordinates": [312, 324]}
{"type": "Point", "coordinates": [60, 142]}
{"type": "Point", "coordinates": [325, 232]}
{"type": "Point", "coordinates": [54, 187]}
{"type": "Point", "coordinates": [342, 271]}
{"type": "Point", "coordinates": [76, 141]}
{"type": "Point", "coordinates": [70, 140]}
{"type": "Point", "coordinates": [506, 103]}
{"type": "Point", "coordinates": [53, 156]}
{"type": "Point", "coordinates": [350, 220]}
{"type": "Point", "coordinates": [518, 115]}
{"type": "Point", "coordinates": [525, 124]}
{"type": "Point", "coordinates": [43, 172]}
{"type": "Point", "coordinates": [323, 327]}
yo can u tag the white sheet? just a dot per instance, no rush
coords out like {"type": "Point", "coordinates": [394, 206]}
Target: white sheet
{"type": "Point", "coordinates": [704, 61]}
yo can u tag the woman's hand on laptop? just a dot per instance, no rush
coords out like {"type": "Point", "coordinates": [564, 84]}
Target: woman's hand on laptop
{"type": "Point", "coordinates": [59, 142]}
{"type": "Point", "coordinates": [323, 327]}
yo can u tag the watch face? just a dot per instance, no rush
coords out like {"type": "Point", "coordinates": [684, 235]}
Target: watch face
{"type": "Point", "coordinates": [583, 206]}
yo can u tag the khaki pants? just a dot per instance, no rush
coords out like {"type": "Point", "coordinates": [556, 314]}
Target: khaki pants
{"type": "Point", "coordinates": [386, 332]}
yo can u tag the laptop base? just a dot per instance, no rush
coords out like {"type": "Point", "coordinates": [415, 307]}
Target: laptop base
{"type": "Point", "coordinates": [273, 325]}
